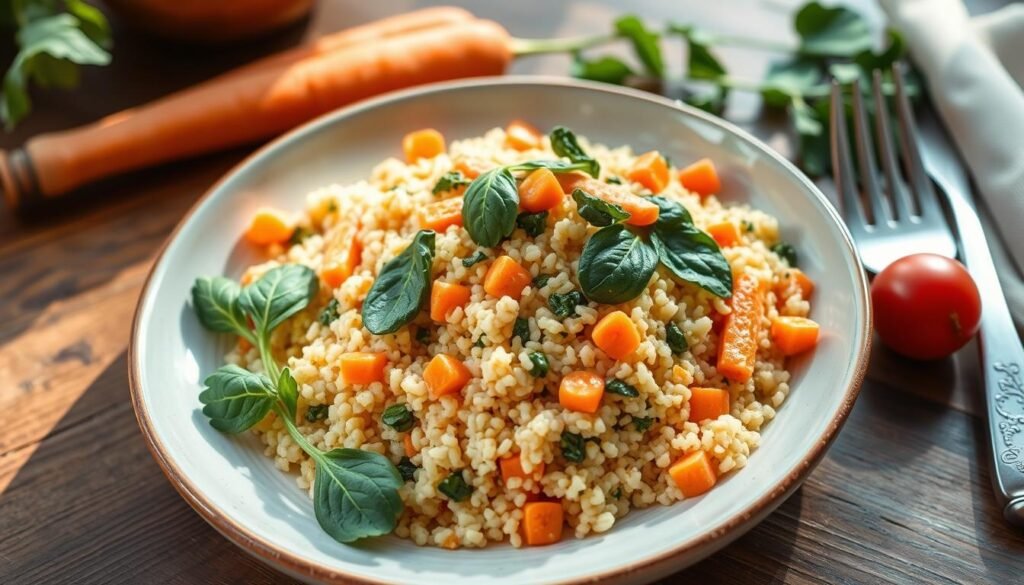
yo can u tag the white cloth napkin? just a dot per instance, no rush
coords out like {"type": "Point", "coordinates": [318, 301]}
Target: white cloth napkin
{"type": "Point", "coordinates": [975, 73]}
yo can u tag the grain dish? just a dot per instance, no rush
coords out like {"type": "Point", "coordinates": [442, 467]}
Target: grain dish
{"type": "Point", "coordinates": [508, 337]}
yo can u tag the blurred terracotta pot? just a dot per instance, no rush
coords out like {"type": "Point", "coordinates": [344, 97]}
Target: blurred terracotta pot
{"type": "Point", "coordinates": [210, 21]}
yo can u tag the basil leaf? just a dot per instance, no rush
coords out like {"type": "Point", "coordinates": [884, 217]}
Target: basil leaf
{"type": "Point", "coordinates": [574, 447]}
{"type": "Point", "coordinates": [785, 251]}
{"type": "Point", "coordinates": [598, 211]}
{"type": "Point", "coordinates": [539, 366]}
{"type": "Point", "coordinates": [831, 31]}
{"type": "Point", "coordinates": [215, 301]}
{"type": "Point", "coordinates": [564, 304]}
{"type": "Point", "coordinates": [688, 253]}
{"type": "Point", "coordinates": [316, 412]}
{"type": "Point", "coordinates": [564, 143]}
{"type": "Point", "coordinates": [675, 339]}
{"type": "Point", "coordinates": [533, 224]}
{"type": "Point", "coordinates": [448, 181]}
{"type": "Point", "coordinates": [407, 469]}
{"type": "Point", "coordinates": [617, 386]}
{"type": "Point", "coordinates": [288, 391]}
{"type": "Point", "coordinates": [555, 166]}
{"type": "Point", "coordinates": [605, 69]}
{"type": "Point", "coordinates": [455, 487]}
{"type": "Point", "coordinates": [329, 313]}
{"type": "Point", "coordinates": [355, 494]}
{"type": "Point", "coordinates": [788, 79]}
{"type": "Point", "coordinates": [490, 207]}
{"type": "Point", "coordinates": [277, 295]}
{"type": "Point", "coordinates": [401, 288]}
{"type": "Point", "coordinates": [398, 417]}
{"type": "Point", "coordinates": [616, 265]}
{"type": "Point", "coordinates": [644, 41]}
{"type": "Point", "coordinates": [869, 60]}
{"type": "Point", "coordinates": [671, 214]}
{"type": "Point", "coordinates": [235, 399]}
{"type": "Point", "coordinates": [475, 258]}
{"type": "Point", "coordinates": [811, 124]}
{"type": "Point", "coordinates": [521, 329]}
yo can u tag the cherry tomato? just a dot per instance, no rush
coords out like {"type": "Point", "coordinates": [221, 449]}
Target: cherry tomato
{"type": "Point", "coordinates": [926, 306]}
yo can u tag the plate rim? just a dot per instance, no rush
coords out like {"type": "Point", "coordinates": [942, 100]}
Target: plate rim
{"type": "Point", "coordinates": [715, 538]}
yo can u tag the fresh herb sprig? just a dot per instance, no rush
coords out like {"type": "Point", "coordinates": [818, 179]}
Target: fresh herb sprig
{"type": "Point", "coordinates": [355, 491]}
{"type": "Point", "coordinates": [401, 288]}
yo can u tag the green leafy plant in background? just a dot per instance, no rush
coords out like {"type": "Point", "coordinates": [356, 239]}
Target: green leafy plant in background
{"type": "Point", "coordinates": [53, 38]}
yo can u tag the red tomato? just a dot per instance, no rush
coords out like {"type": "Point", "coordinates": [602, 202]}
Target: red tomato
{"type": "Point", "coordinates": [926, 306]}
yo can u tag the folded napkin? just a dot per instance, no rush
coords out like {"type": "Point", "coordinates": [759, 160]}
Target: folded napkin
{"type": "Point", "coordinates": [975, 74]}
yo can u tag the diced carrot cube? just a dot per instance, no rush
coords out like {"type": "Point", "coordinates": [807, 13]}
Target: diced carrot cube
{"type": "Point", "coordinates": [426, 143]}
{"type": "Point", "coordinates": [725, 233]}
{"type": "Point", "coordinates": [737, 347]}
{"type": "Point", "coordinates": [445, 297]}
{"type": "Point", "coordinates": [506, 278]}
{"type": "Point", "coordinates": [650, 170]}
{"type": "Point", "coordinates": [616, 335]}
{"type": "Point", "coordinates": [701, 178]}
{"type": "Point", "coordinates": [581, 391]}
{"type": "Point", "coordinates": [794, 280]}
{"type": "Point", "coordinates": [793, 335]}
{"type": "Point", "coordinates": [708, 403]}
{"type": "Point", "coordinates": [521, 135]}
{"type": "Point", "coordinates": [343, 260]}
{"type": "Point", "coordinates": [694, 474]}
{"type": "Point", "coordinates": [512, 466]}
{"type": "Point", "coordinates": [641, 210]}
{"type": "Point", "coordinates": [407, 445]}
{"type": "Point", "coordinates": [441, 215]}
{"type": "Point", "coordinates": [363, 367]}
{"type": "Point", "coordinates": [270, 226]}
{"type": "Point", "coordinates": [540, 191]}
{"type": "Point", "coordinates": [472, 167]}
{"type": "Point", "coordinates": [445, 375]}
{"type": "Point", "coordinates": [542, 523]}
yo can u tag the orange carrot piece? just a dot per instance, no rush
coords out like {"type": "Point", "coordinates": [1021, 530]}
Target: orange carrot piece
{"type": "Point", "coordinates": [794, 280]}
{"type": "Point", "coordinates": [269, 226]}
{"type": "Point", "coordinates": [407, 445]}
{"type": "Point", "coordinates": [642, 211]}
{"type": "Point", "coordinates": [512, 466]}
{"type": "Point", "coordinates": [445, 297]}
{"type": "Point", "coordinates": [521, 135]}
{"type": "Point", "coordinates": [426, 143]}
{"type": "Point", "coordinates": [506, 278]}
{"type": "Point", "coordinates": [694, 474]}
{"type": "Point", "coordinates": [540, 191]}
{"type": "Point", "coordinates": [793, 335]}
{"type": "Point", "coordinates": [701, 178]}
{"type": "Point", "coordinates": [650, 170]}
{"type": "Point", "coordinates": [708, 403]}
{"type": "Point", "coordinates": [243, 345]}
{"type": "Point", "coordinates": [616, 335]}
{"type": "Point", "coordinates": [363, 367]}
{"type": "Point", "coordinates": [581, 391]}
{"type": "Point", "coordinates": [472, 167]}
{"type": "Point", "coordinates": [725, 233]}
{"type": "Point", "coordinates": [737, 348]}
{"type": "Point", "coordinates": [343, 260]}
{"type": "Point", "coordinates": [542, 523]}
{"type": "Point", "coordinates": [441, 215]}
{"type": "Point", "coordinates": [445, 375]}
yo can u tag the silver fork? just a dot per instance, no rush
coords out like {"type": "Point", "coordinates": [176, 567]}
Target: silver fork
{"type": "Point", "coordinates": [893, 218]}
{"type": "Point", "coordinates": [889, 237]}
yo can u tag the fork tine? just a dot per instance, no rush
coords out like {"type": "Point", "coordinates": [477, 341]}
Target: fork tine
{"type": "Point", "coordinates": [886, 149]}
{"type": "Point", "coordinates": [880, 210]}
{"type": "Point", "coordinates": [842, 163]}
{"type": "Point", "coordinates": [927, 202]}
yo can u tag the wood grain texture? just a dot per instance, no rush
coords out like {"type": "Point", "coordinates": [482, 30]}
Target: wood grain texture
{"type": "Point", "coordinates": [902, 497]}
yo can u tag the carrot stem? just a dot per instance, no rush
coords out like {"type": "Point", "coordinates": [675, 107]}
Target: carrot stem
{"type": "Point", "coordinates": [524, 47]}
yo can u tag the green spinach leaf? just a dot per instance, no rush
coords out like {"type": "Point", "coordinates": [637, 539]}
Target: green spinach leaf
{"type": "Point", "coordinates": [448, 181]}
{"type": "Point", "coordinates": [355, 494]}
{"type": "Point", "coordinates": [539, 365]}
{"type": "Point", "coordinates": [329, 313]}
{"type": "Point", "coordinates": [616, 265]}
{"type": "Point", "coordinates": [316, 412]}
{"type": "Point", "coordinates": [574, 447]}
{"type": "Point", "coordinates": [605, 69]}
{"type": "Point", "coordinates": [490, 207]}
{"type": "Point", "coordinates": [288, 391]}
{"type": "Point", "coordinates": [675, 339]}
{"type": "Point", "coordinates": [688, 253]}
{"type": "Point", "coordinates": [564, 143]}
{"type": "Point", "coordinates": [642, 423]}
{"type": "Point", "coordinates": [598, 211]}
{"type": "Point", "coordinates": [617, 386]}
{"type": "Point", "coordinates": [521, 329]}
{"type": "Point", "coordinates": [827, 31]}
{"type": "Point", "coordinates": [398, 417]}
{"type": "Point", "coordinates": [407, 469]}
{"type": "Point", "coordinates": [277, 295]}
{"type": "Point", "coordinates": [476, 258]}
{"type": "Point", "coordinates": [644, 41]}
{"type": "Point", "coordinates": [215, 301]}
{"type": "Point", "coordinates": [564, 304]}
{"type": "Point", "coordinates": [235, 399]}
{"type": "Point", "coordinates": [787, 252]}
{"type": "Point", "coordinates": [401, 288]}
{"type": "Point", "coordinates": [455, 487]}
{"type": "Point", "coordinates": [533, 224]}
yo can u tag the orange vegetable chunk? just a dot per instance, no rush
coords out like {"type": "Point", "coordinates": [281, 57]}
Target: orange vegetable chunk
{"type": "Point", "coordinates": [694, 474]}
{"type": "Point", "coordinates": [445, 375]}
{"type": "Point", "coordinates": [512, 466]}
{"type": "Point", "coordinates": [540, 191]}
{"type": "Point", "coordinates": [445, 297]}
{"type": "Point", "coordinates": [795, 280]}
{"type": "Point", "coordinates": [708, 403]}
{"type": "Point", "coordinates": [616, 335]}
{"type": "Point", "coordinates": [725, 233]}
{"type": "Point", "coordinates": [701, 178]}
{"type": "Point", "coordinates": [650, 170]}
{"type": "Point", "coordinates": [441, 215]}
{"type": "Point", "coordinates": [521, 136]}
{"type": "Point", "coordinates": [426, 143]}
{"type": "Point", "coordinates": [407, 445]}
{"type": "Point", "coordinates": [542, 523]}
{"type": "Point", "coordinates": [737, 347]}
{"type": "Point", "coordinates": [581, 391]}
{"type": "Point", "coordinates": [642, 211]}
{"type": "Point", "coordinates": [363, 367]}
{"type": "Point", "coordinates": [472, 167]}
{"type": "Point", "coordinates": [342, 259]}
{"type": "Point", "coordinates": [269, 226]}
{"type": "Point", "coordinates": [506, 278]}
{"type": "Point", "coordinates": [793, 335]}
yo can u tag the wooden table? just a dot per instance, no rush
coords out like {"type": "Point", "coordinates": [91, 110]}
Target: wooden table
{"type": "Point", "coordinates": [903, 495]}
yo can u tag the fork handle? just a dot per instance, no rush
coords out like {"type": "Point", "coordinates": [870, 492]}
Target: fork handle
{"type": "Point", "coordinates": [1002, 356]}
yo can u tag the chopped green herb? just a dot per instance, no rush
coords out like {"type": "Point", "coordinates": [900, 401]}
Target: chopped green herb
{"type": "Point", "coordinates": [480, 341]}
{"type": "Point", "coordinates": [521, 329]}
{"type": "Point", "coordinates": [617, 386]}
{"type": "Point", "coordinates": [747, 226]}
{"type": "Point", "coordinates": [675, 338]}
{"type": "Point", "coordinates": [316, 412]}
{"type": "Point", "coordinates": [642, 423]}
{"type": "Point", "coordinates": [329, 313]}
{"type": "Point", "coordinates": [398, 417]}
{"type": "Point", "coordinates": [299, 234]}
{"type": "Point", "coordinates": [449, 181]}
{"type": "Point", "coordinates": [613, 180]}
{"type": "Point", "coordinates": [332, 206]}
{"type": "Point", "coordinates": [786, 252]}
{"type": "Point", "coordinates": [533, 224]}
{"type": "Point", "coordinates": [423, 336]}
{"type": "Point", "coordinates": [455, 487]}
{"type": "Point", "coordinates": [574, 447]}
{"type": "Point", "coordinates": [615, 494]}
{"type": "Point", "coordinates": [564, 304]}
{"type": "Point", "coordinates": [407, 468]}
{"type": "Point", "coordinates": [541, 280]}
{"type": "Point", "coordinates": [475, 258]}
{"type": "Point", "coordinates": [540, 366]}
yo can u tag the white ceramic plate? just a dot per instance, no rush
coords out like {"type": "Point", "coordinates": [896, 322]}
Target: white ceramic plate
{"type": "Point", "coordinates": [238, 490]}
